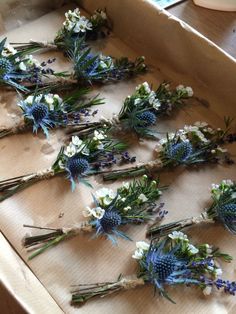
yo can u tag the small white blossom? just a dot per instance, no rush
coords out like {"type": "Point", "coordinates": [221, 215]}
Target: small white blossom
{"type": "Point", "coordinates": [218, 272]}
{"type": "Point", "coordinates": [207, 291]}
{"type": "Point", "coordinates": [142, 245]}
{"type": "Point", "coordinates": [138, 254]}
{"type": "Point", "coordinates": [178, 235]}
{"type": "Point", "coordinates": [192, 249]}
{"type": "Point", "coordinates": [142, 198]}
{"type": "Point", "coordinates": [105, 196]}
{"type": "Point", "coordinates": [22, 66]}
{"type": "Point", "coordinates": [137, 101]}
{"type": "Point", "coordinates": [70, 150]}
{"type": "Point", "coordinates": [125, 185]}
{"type": "Point", "coordinates": [228, 182]}
{"type": "Point", "coordinates": [127, 208]}
{"type": "Point", "coordinates": [96, 212]}
{"type": "Point", "coordinates": [189, 91]}
{"type": "Point", "coordinates": [29, 100]}
{"type": "Point", "coordinates": [99, 135]}
{"type": "Point", "coordinates": [76, 140]}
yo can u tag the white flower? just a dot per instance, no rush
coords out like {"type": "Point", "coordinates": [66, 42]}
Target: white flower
{"type": "Point", "coordinates": [74, 21]}
{"type": "Point", "coordinates": [208, 249]}
{"type": "Point", "coordinates": [228, 182]}
{"type": "Point", "coordinates": [200, 124]}
{"type": "Point", "coordinates": [137, 101]}
{"type": "Point", "coordinates": [138, 254]}
{"type": "Point", "coordinates": [207, 291]}
{"type": "Point", "coordinates": [189, 91]}
{"type": "Point", "coordinates": [214, 186]}
{"type": "Point", "coordinates": [96, 212]}
{"type": "Point", "coordinates": [123, 199]}
{"type": "Point", "coordinates": [156, 104]}
{"type": "Point", "coordinates": [76, 140]}
{"type": "Point", "coordinates": [29, 100]}
{"type": "Point", "coordinates": [99, 135]}
{"type": "Point", "coordinates": [192, 249]}
{"type": "Point", "coordinates": [142, 198]}
{"type": "Point", "coordinates": [178, 235]}
{"type": "Point", "coordinates": [8, 50]}
{"type": "Point", "coordinates": [142, 245]}
{"type": "Point", "coordinates": [218, 272]}
{"type": "Point", "coordinates": [61, 164]}
{"type": "Point", "coordinates": [58, 98]}
{"type": "Point", "coordinates": [22, 66]}
{"type": "Point", "coordinates": [144, 86]}
{"type": "Point", "coordinates": [70, 150]}
{"type": "Point", "coordinates": [127, 208]}
{"type": "Point", "coordinates": [105, 196]}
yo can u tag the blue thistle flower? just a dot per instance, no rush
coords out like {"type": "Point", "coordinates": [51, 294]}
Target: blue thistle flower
{"type": "Point", "coordinates": [227, 214]}
{"type": "Point", "coordinates": [180, 152]}
{"type": "Point", "coordinates": [76, 167]}
{"type": "Point", "coordinates": [5, 67]}
{"type": "Point", "coordinates": [109, 221]}
{"type": "Point", "coordinates": [164, 267]}
{"type": "Point", "coordinates": [147, 118]}
{"type": "Point", "coordinates": [40, 116]}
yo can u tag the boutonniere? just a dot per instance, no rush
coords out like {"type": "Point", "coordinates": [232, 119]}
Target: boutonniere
{"type": "Point", "coordinates": [91, 68]}
{"type": "Point", "coordinates": [74, 27]}
{"type": "Point", "coordinates": [173, 261]}
{"type": "Point", "coordinates": [191, 146]}
{"type": "Point", "coordinates": [46, 111]}
{"type": "Point", "coordinates": [222, 210]}
{"type": "Point", "coordinates": [78, 160]}
{"type": "Point", "coordinates": [133, 203]}
{"type": "Point", "coordinates": [141, 110]}
{"type": "Point", "coordinates": [18, 69]}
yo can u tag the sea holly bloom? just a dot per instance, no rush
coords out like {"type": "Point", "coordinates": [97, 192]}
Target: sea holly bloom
{"type": "Point", "coordinates": [142, 110]}
{"type": "Point", "coordinates": [78, 160]}
{"type": "Point", "coordinates": [192, 145]}
{"type": "Point", "coordinates": [222, 210]}
{"type": "Point", "coordinates": [17, 69]}
{"type": "Point", "coordinates": [46, 111]}
{"type": "Point", "coordinates": [106, 218]}
{"type": "Point", "coordinates": [74, 27]}
{"type": "Point", "coordinates": [163, 263]}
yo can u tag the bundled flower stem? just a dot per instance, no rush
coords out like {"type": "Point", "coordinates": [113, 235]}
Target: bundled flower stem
{"type": "Point", "coordinates": [74, 27]}
{"type": "Point", "coordinates": [20, 70]}
{"type": "Point", "coordinates": [78, 160]}
{"type": "Point", "coordinates": [45, 111]}
{"type": "Point", "coordinates": [141, 110]}
{"type": "Point", "coordinates": [222, 210]}
{"type": "Point", "coordinates": [91, 68]}
{"type": "Point", "coordinates": [193, 145]}
{"type": "Point", "coordinates": [173, 261]}
{"type": "Point", "coordinates": [132, 203]}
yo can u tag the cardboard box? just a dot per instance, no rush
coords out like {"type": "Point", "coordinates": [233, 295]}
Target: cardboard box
{"type": "Point", "coordinates": [176, 53]}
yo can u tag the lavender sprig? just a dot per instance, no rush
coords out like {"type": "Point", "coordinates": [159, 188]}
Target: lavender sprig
{"type": "Point", "coordinates": [222, 210]}
{"type": "Point", "coordinates": [173, 261]}
{"type": "Point", "coordinates": [193, 145]}
{"type": "Point", "coordinates": [74, 28]}
{"type": "Point", "coordinates": [141, 110]}
{"type": "Point", "coordinates": [47, 111]}
{"type": "Point", "coordinates": [18, 69]}
{"type": "Point", "coordinates": [133, 203]}
{"type": "Point", "coordinates": [77, 160]}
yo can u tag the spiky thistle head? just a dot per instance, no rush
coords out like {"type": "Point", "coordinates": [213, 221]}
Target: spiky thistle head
{"type": "Point", "coordinates": [180, 152]}
{"type": "Point", "coordinates": [147, 118]}
{"type": "Point", "coordinates": [227, 214]}
{"type": "Point", "coordinates": [5, 67]}
{"type": "Point", "coordinates": [77, 166]}
{"type": "Point", "coordinates": [110, 220]}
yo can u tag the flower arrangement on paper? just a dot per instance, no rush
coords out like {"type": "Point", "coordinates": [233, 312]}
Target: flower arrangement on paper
{"type": "Point", "coordinates": [90, 68]}
{"type": "Point", "coordinates": [173, 261]}
{"type": "Point", "coordinates": [46, 111]}
{"type": "Point", "coordinates": [132, 203]}
{"type": "Point", "coordinates": [193, 145]}
{"type": "Point", "coordinates": [141, 110]}
{"type": "Point", "coordinates": [18, 69]}
{"type": "Point", "coordinates": [79, 159]}
{"type": "Point", "coordinates": [222, 210]}
{"type": "Point", "coordinates": [74, 27]}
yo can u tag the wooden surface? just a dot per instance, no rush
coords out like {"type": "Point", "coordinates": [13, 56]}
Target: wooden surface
{"type": "Point", "coordinates": [220, 27]}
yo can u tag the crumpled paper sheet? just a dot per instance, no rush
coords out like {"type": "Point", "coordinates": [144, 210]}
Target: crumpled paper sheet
{"type": "Point", "coordinates": [175, 53]}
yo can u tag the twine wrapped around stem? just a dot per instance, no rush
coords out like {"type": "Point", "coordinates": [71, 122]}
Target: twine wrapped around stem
{"type": "Point", "coordinates": [42, 242]}
{"type": "Point", "coordinates": [163, 230]}
{"type": "Point", "coordinates": [86, 292]}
